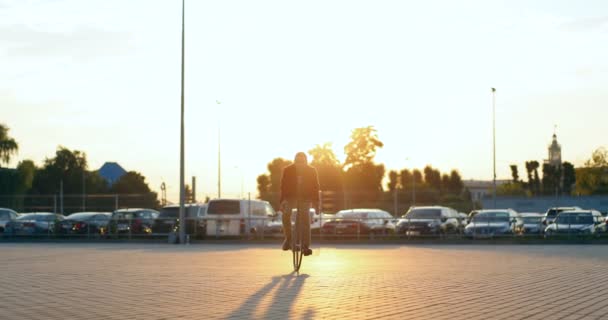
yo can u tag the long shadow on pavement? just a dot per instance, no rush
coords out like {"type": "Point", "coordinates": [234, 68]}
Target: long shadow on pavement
{"type": "Point", "coordinates": [285, 295]}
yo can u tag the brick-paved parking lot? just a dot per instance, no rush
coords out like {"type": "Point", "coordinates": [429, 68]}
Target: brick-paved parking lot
{"type": "Point", "coordinates": [212, 281]}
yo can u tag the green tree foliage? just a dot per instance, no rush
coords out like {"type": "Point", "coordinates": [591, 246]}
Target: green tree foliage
{"type": "Point", "coordinates": [514, 173]}
{"type": "Point", "coordinates": [329, 170]}
{"type": "Point", "coordinates": [549, 181]}
{"type": "Point", "coordinates": [432, 177]}
{"type": "Point", "coordinates": [393, 180]}
{"type": "Point", "coordinates": [569, 179]}
{"type": "Point", "coordinates": [361, 149]}
{"type": "Point", "coordinates": [263, 187]}
{"type": "Point", "coordinates": [511, 189]}
{"type": "Point", "coordinates": [8, 145]}
{"type": "Point", "coordinates": [405, 178]}
{"type": "Point", "coordinates": [455, 185]}
{"type": "Point", "coordinates": [592, 179]}
{"type": "Point", "coordinates": [68, 167]}
{"type": "Point", "coordinates": [135, 186]}
{"type": "Point", "coordinates": [270, 189]}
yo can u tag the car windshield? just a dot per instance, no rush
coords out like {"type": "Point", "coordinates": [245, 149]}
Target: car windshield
{"type": "Point", "coordinates": [424, 214]}
{"type": "Point", "coordinates": [170, 212]}
{"type": "Point", "coordinates": [126, 215]}
{"type": "Point", "coordinates": [4, 215]}
{"type": "Point", "coordinates": [574, 219]}
{"type": "Point", "coordinates": [491, 217]}
{"type": "Point", "coordinates": [80, 216]}
{"type": "Point", "coordinates": [224, 207]}
{"type": "Point", "coordinates": [352, 215]}
{"type": "Point", "coordinates": [531, 219]}
{"type": "Point", "coordinates": [38, 217]}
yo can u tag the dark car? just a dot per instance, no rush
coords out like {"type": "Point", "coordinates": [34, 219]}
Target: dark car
{"type": "Point", "coordinates": [6, 216]}
{"type": "Point", "coordinates": [85, 223]}
{"type": "Point", "coordinates": [35, 223]}
{"type": "Point", "coordinates": [168, 220]}
{"type": "Point", "coordinates": [132, 221]}
{"type": "Point", "coordinates": [357, 222]}
{"type": "Point", "coordinates": [433, 220]}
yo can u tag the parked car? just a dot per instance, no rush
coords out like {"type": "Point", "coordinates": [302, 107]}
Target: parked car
{"type": "Point", "coordinates": [132, 221]}
{"type": "Point", "coordinates": [577, 222]}
{"type": "Point", "coordinates": [433, 220]}
{"type": "Point", "coordinates": [360, 222]}
{"type": "Point", "coordinates": [85, 223]}
{"type": "Point", "coordinates": [491, 222]}
{"type": "Point", "coordinates": [34, 223]}
{"type": "Point", "coordinates": [168, 220]}
{"type": "Point", "coordinates": [531, 223]}
{"type": "Point", "coordinates": [231, 217]}
{"type": "Point", "coordinates": [553, 212]}
{"type": "Point", "coordinates": [6, 216]}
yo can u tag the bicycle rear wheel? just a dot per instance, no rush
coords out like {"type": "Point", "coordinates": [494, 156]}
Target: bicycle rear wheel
{"type": "Point", "coordinates": [296, 244]}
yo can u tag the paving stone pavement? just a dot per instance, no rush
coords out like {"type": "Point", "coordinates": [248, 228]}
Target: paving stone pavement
{"type": "Point", "coordinates": [211, 281]}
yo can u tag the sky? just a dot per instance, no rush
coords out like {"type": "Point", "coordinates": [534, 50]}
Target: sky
{"type": "Point", "coordinates": [103, 77]}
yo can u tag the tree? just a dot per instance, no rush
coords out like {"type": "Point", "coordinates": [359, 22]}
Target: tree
{"type": "Point", "coordinates": [362, 147]}
{"type": "Point", "coordinates": [323, 155]}
{"type": "Point", "coordinates": [432, 177]}
{"type": "Point", "coordinates": [599, 159]}
{"type": "Point", "coordinates": [134, 183]}
{"type": "Point", "coordinates": [67, 167]}
{"type": "Point", "coordinates": [131, 182]}
{"type": "Point", "coordinates": [534, 165]}
{"type": "Point", "coordinates": [330, 175]}
{"type": "Point", "coordinates": [393, 180]}
{"type": "Point", "coordinates": [592, 179]}
{"type": "Point", "coordinates": [514, 173]}
{"type": "Point", "coordinates": [445, 183]}
{"type": "Point", "coordinates": [455, 184]}
{"type": "Point", "coordinates": [549, 182]}
{"type": "Point", "coordinates": [8, 145]}
{"type": "Point", "coordinates": [269, 185]}
{"type": "Point", "coordinates": [405, 178]}
{"type": "Point", "coordinates": [417, 176]}
{"type": "Point", "coordinates": [569, 177]}
{"type": "Point", "coordinates": [264, 187]}
{"type": "Point", "coordinates": [511, 189]}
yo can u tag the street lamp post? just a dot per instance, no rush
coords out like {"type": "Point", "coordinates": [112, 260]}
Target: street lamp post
{"type": "Point", "coordinates": [182, 191]}
{"type": "Point", "coordinates": [494, 139]}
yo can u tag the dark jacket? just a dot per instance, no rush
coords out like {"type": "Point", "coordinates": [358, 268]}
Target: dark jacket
{"type": "Point", "coordinates": [309, 188]}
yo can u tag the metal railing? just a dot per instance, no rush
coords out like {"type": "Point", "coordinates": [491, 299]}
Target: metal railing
{"type": "Point", "coordinates": [322, 228]}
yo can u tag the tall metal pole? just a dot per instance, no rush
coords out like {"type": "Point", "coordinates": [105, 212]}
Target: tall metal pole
{"type": "Point", "coordinates": [413, 188]}
{"type": "Point", "coordinates": [494, 139]}
{"type": "Point", "coordinates": [182, 191]}
{"type": "Point", "coordinates": [219, 164]}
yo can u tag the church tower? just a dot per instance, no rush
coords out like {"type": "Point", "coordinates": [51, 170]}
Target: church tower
{"type": "Point", "coordinates": [555, 153]}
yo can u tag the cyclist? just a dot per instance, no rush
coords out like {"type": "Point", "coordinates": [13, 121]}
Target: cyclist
{"type": "Point", "coordinates": [299, 189]}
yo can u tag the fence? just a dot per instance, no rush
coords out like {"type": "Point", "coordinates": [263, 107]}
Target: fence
{"type": "Point", "coordinates": [70, 203]}
{"type": "Point", "coordinates": [323, 227]}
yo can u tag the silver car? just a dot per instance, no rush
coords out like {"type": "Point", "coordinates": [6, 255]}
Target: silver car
{"type": "Point", "coordinates": [578, 222]}
{"type": "Point", "coordinates": [531, 224]}
{"type": "Point", "coordinates": [492, 222]}
{"type": "Point", "coordinates": [34, 223]}
{"type": "Point", "coordinates": [6, 216]}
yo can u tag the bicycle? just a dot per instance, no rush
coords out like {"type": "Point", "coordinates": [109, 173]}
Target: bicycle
{"type": "Point", "coordinates": [297, 235]}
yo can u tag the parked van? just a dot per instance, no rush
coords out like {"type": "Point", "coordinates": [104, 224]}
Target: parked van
{"type": "Point", "coordinates": [231, 217]}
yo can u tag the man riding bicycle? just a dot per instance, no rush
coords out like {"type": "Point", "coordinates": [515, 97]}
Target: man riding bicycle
{"type": "Point", "coordinates": [299, 190]}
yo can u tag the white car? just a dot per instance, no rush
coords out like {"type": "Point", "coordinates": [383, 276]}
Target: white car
{"type": "Point", "coordinates": [531, 223]}
{"type": "Point", "coordinates": [492, 222]}
{"type": "Point", "coordinates": [577, 222]}
{"type": "Point", "coordinates": [231, 217]}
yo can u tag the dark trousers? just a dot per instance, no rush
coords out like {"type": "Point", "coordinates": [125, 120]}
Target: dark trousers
{"type": "Point", "coordinates": [304, 222]}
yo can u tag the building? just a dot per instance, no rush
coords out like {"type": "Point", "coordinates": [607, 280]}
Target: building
{"type": "Point", "coordinates": [555, 153]}
{"type": "Point", "coordinates": [479, 189]}
{"type": "Point", "coordinates": [111, 172]}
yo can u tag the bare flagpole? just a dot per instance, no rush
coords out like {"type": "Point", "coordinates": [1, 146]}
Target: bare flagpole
{"type": "Point", "coordinates": [494, 139]}
{"type": "Point", "coordinates": [182, 193]}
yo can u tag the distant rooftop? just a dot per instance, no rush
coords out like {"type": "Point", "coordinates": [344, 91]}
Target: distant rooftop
{"type": "Point", "coordinates": [111, 172]}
